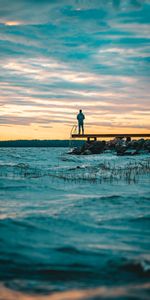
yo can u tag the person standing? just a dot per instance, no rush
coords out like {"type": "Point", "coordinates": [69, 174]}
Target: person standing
{"type": "Point", "coordinates": [80, 118]}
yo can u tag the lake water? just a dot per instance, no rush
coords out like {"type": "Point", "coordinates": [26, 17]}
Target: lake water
{"type": "Point", "coordinates": [74, 222]}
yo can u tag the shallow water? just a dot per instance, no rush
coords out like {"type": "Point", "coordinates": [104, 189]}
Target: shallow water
{"type": "Point", "coordinates": [73, 222]}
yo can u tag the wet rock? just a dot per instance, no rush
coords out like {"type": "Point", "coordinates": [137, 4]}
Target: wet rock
{"type": "Point", "coordinates": [111, 144]}
{"type": "Point", "coordinates": [87, 152]}
{"type": "Point", "coordinates": [85, 147]}
{"type": "Point", "coordinates": [89, 148]}
{"type": "Point", "coordinates": [134, 144]}
{"type": "Point", "coordinates": [137, 144]}
{"type": "Point", "coordinates": [97, 147]}
{"type": "Point", "coordinates": [120, 146]}
{"type": "Point", "coordinates": [146, 145]}
{"type": "Point", "coordinates": [121, 150]}
{"type": "Point", "coordinates": [134, 152]}
{"type": "Point", "coordinates": [76, 151]}
{"type": "Point", "coordinates": [140, 144]}
{"type": "Point", "coordinates": [128, 139]}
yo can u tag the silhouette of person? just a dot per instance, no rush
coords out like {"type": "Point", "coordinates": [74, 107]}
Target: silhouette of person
{"type": "Point", "coordinates": [80, 118]}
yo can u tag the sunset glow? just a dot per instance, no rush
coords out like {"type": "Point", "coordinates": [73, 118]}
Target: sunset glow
{"type": "Point", "coordinates": [69, 55]}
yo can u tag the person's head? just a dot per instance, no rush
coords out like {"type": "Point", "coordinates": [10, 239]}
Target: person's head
{"type": "Point", "coordinates": [80, 110]}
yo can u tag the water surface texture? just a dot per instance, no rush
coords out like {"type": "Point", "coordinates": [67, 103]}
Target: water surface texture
{"type": "Point", "coordinates": [74, 222]}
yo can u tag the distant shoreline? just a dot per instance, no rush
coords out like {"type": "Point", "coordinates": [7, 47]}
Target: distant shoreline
{"type": "Point", "coordinates": [119, 145]}
{"type": "Point", "coordinates": [40, 143]}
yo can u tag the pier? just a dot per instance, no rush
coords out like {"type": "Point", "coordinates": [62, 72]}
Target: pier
{"type": "Point", "coordinates": [95, 136]}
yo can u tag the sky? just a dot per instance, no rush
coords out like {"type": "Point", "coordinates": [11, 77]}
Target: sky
{"type": "Point", "coordinates": [59, 56]}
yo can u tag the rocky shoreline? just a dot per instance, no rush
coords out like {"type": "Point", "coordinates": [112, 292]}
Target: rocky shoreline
{"type": "Point", "coordinates": [117, 145]}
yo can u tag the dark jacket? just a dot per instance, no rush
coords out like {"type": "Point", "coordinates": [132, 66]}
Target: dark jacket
{"type": "Point", "coordinates": [80, 118]}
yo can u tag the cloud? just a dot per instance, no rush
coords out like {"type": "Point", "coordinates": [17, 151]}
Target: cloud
{"type": "Point", "coordinates": [59, 56]}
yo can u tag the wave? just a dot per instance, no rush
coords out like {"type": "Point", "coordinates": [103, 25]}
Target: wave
{"type": "Point", "coordinates": [12, 188]}
{"type": "Point", "coordinates": [69, 249]}
{"type": "Point", "coordinates": [141, 219]}
{"type": "Point", "coordinates": [134, 291]}
{"type": "Point", "coordinates": [56, 235]}
{"type": "Point", "coordinates": [95, 171]}
{"type": "Point", "coordinates": [140, 268]}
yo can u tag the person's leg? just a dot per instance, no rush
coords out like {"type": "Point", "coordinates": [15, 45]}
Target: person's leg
{"type": "Point", "coordinates": [79, 128]}
{"type": "Point", "coordinates": [82, 129]}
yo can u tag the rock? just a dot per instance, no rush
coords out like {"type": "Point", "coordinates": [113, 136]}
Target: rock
{"type": "Point", "coordinates": [97, 147]}
{"type": "Point", "coordinates": [140, 144]}
{"type": "Point", "coordinates": [86, 152]}
{"type": "Point", "coordinates": [76, 151]}
{"type": "Point", "coordinates": [85, 147]}
{"type": "Point", "coordinates": [121, 149]}
{"type": "Point", "coordinates": [137, 144]}
{"type": "Point", "coordinates": [135, 152]}
{"type": "Point", "coordinates": [147, 145]}
{"type": "Point", "coordinates": [121, 146]}
{"type": "Point", "coordinates": [128, 139]}
{"type": "Point", "coordinates": [111, 144]}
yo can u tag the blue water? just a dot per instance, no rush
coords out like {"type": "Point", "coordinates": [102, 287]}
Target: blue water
{"type": "Point", "coordinates": [73, 222]}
